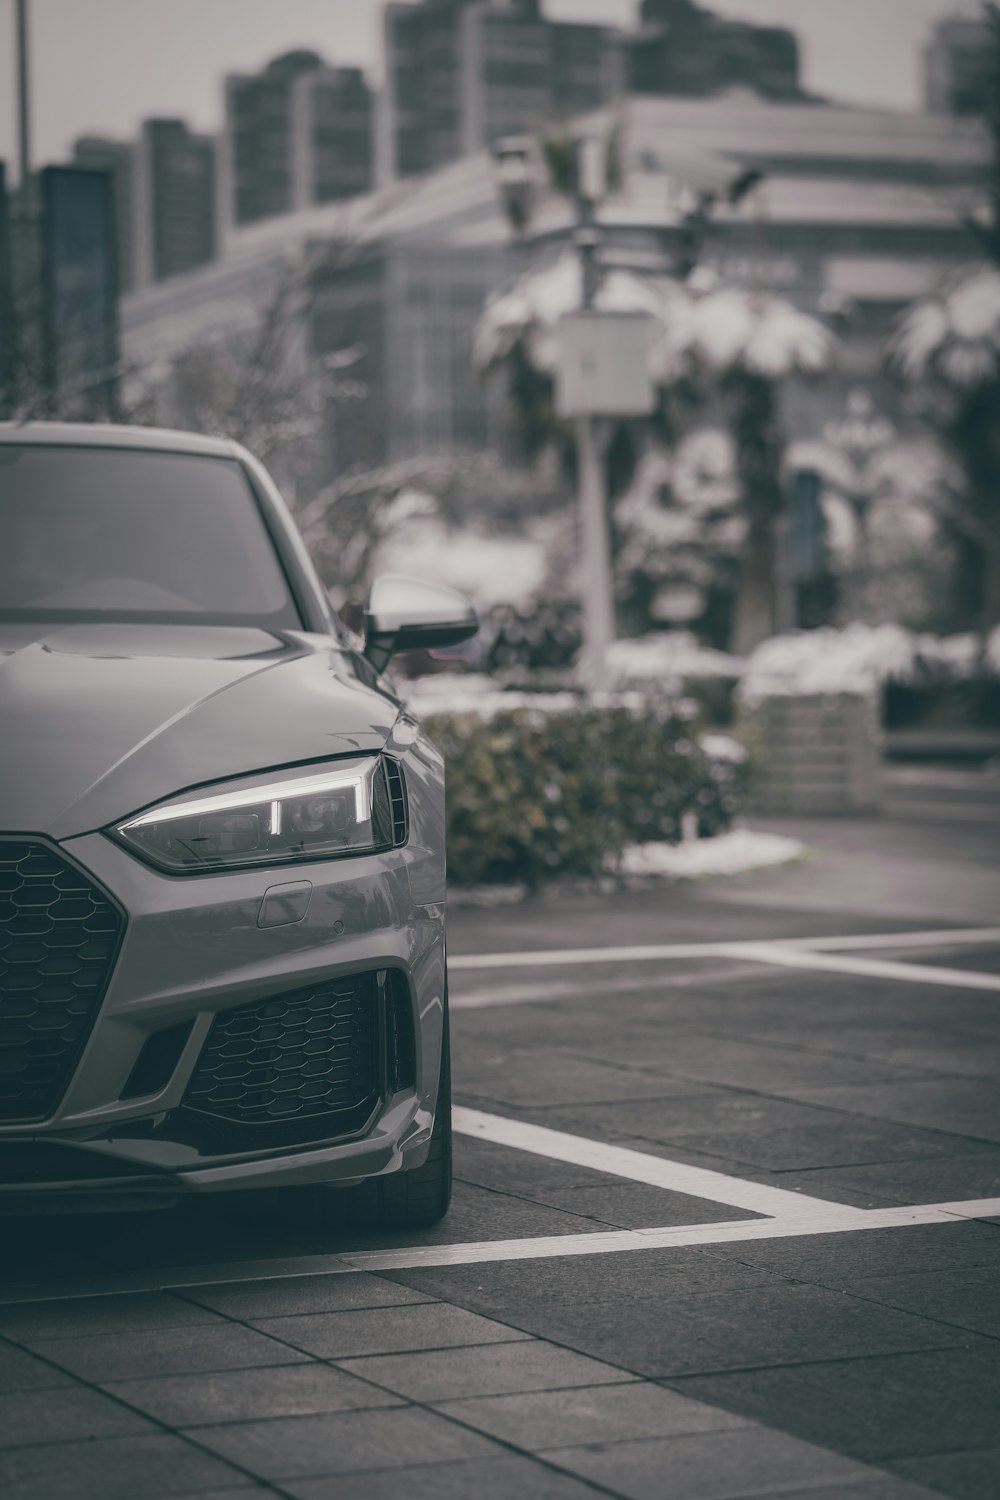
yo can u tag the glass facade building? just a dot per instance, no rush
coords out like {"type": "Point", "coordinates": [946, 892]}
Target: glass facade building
{"type": "Point", "coordinates": [461, 73]}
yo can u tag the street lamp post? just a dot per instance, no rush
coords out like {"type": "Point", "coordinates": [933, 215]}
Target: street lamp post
{"type": "Point", "coordinates": [603, 368]}
{"type": "Point", "coordinates": [517, 185]}
{"type": "Point", "coordinates": [597, 598]}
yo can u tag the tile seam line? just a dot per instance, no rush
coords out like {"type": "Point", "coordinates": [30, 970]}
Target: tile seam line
{"type": "Point", "coordinates": [399, 1401]}
{"type": "Point", "coordinates": [716, 1032]}
{"type": "Point", "coordinates": [713, 1032]}
{"type": "Point", "coordinates": [324, 1362]}
{"type": "Point", "coordinates": [805, 1364]}
{"type": "Point", "coordinates": [337, 1363]}
{"type": "Point", "coordinates": [164, 1429]}
{"type": "Point", "coordinates": [177, 1431]}
{"type": "Point", "coordinates": [820, 1105]}
{"type": "Point", "coordinates": [603, 1224]}
{"type": "Point", "coordinates": [660, 1382]}
{"type": "Point", "coordinates": [929, 1317]}
{"type": "Point", "coordinates": [510, 1451]}
{"type": "Point", "coordinates": [539, 1456]}
{"type": "Point", "coordinates": [510, 1448]}
{"type": "Point", "coordinates": [633, 1379]}
{"type": "Point", "coordinates": [526, 1338]}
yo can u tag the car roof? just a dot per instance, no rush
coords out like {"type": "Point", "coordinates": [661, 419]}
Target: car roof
{"type": "Point", "coordinates": [107, 435]}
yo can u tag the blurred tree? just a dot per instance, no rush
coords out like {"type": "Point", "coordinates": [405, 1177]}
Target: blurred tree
{"type": "Point", "coordinates": [679, 533]}
{"type": "Point", "coordinates": [747, 344]}
{"type": "Point", "coordinates": [346, 523]}
{"type": "Point", "coordinates": [886, 501]}
{"type": "Point", "coordinates": [947, 348]}
{"type": "Point", "coordinates": [258, 384]}
{"type": "Point", "coordinates": [517, 335]}
{"type": "Point", "coordinates": [988, 228]}
{"type": "Point", "coordinates": [710, 338]}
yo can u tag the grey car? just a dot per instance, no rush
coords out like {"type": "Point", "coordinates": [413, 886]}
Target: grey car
{"type": "Point", "coordinates": [222, 865]}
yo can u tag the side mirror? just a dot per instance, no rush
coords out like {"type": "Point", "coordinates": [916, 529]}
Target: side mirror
{"type": "Point", "coordinates": [405, 614]}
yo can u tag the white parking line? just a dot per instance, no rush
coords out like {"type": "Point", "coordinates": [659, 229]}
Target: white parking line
{"type": "Point", "coordinates": [637, 1166]}
{"type": "Point", "coordinates": [629, 982]}
{"type": "Point", "coordinates": [940, 937]}
{"type": "Point", "coordinates": [542, 1247]}
{"type": "Point", "coordinates": [870, 968]}
{"type": "Point", "coordinates": [794, 953]}
{"type": "Point", "coordinates": [547, 958]}
{"type": "Point", "coordinates": [844, 1221]}
{"type": "Point", "coordinates": [788, 1214]}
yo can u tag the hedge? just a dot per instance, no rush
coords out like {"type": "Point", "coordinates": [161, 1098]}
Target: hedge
{"type": "Point", "coordinates": [534, 793]}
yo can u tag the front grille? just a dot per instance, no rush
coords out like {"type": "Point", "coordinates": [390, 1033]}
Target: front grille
{"type": "Point", "coordinates": [59, 935]}
{"type": "Point", "coordinates": [301, 1066]}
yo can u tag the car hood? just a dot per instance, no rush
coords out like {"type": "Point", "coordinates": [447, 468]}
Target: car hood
{"type": "Point", "coordinates": [97, 721]}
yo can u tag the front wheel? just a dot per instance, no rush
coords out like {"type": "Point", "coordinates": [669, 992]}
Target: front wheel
{"type": "Point", "coordinates": [413, 1198]}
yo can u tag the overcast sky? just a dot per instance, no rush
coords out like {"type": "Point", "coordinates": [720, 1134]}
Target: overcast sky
{"type": "Point", "coordinates": [102, 65]}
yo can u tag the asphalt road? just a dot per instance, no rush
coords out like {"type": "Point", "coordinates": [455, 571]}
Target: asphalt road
{"type": "Point", "coordinates": [727, 1224]}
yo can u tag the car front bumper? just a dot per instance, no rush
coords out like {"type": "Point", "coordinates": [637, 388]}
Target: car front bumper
{"type": "Point", "coordinates": [194, 947]}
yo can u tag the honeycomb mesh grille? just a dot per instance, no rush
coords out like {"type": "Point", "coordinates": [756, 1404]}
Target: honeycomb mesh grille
{"type": "Point", "coordinates": [305, 1063]}
{"type": "Point", "coordinates": [58, 938]}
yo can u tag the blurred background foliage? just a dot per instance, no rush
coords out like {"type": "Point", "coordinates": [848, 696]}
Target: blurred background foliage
{"type": "Point", "coordinates": [539, 792]}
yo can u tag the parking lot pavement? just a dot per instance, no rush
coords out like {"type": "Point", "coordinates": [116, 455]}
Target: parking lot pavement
{"type": "Point", "coordinates": [726, 1224]}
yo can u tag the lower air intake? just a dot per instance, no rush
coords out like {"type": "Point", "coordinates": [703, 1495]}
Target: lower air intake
{"type": "Point", "coordinates": [300, 1066]}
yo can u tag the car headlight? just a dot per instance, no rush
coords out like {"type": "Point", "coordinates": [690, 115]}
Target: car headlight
{"type": "Point", "coordinates": [348, 807]}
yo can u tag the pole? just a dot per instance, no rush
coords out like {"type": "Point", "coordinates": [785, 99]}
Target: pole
{"type": "Point", "coordinates": [23, 97]}
{"type": "Point", "coordinates": [596, 592]}
{"type": "Point", "coordinates": [596, 581]}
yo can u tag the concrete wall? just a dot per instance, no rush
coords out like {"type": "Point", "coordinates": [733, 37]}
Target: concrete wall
{"type": "Point", "coordinates": [815, 754]}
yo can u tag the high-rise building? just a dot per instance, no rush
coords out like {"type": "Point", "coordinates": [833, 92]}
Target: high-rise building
{"type": "Point", "coordinates": [118, 158]}
{"type": "Point", "coordinates": [333, 136]}
{"type": "Point", "coordinates": [682, 49]}
{"type": "Point", "coordinates": [164, 190]}
{"type": "Point", "coordinates": [259, 135]}
{"type": "Point", "coordinates": [957, 66]}
{"type": "Point", "coordinates": [461, 73]}
{"type": "Point", "coordinates": [173, 200]}
{"type": "Point", "coordinates": [858, 217]}
{"type": "Point", "coordinates": [296, 133]}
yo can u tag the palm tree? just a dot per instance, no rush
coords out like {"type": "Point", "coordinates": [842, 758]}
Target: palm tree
{"type": "Point", "coordinates": [747, 344]}
{"type": "Point", "coordinates": [948, 347]}
{"type": "Point", "coordinates": [707, 335]}
{"type": "Point", "coordinates": [884, 500]}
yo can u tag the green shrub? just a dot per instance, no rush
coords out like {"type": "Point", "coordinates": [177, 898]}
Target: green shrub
{"type": "Point", "coordinates": [535, 793]}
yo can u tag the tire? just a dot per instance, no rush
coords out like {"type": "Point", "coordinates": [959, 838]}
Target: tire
{"type": "Point", "coordinates": [413, 1198]}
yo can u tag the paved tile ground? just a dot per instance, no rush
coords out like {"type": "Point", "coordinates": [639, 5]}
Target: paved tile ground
{"type": "Point", "coordinates": [849, 1366]}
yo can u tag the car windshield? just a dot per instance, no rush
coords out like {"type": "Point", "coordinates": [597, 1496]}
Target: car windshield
{"type": "Point", "coordinates": [132, 534]}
